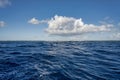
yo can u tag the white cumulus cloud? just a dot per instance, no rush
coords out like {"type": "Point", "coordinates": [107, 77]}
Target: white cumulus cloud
{"type": "Point", "coordinates": [2, 23]}
{"type": "Point", "coordinates": [62, 25]}
{"type": "Point", "coordinates": [4, 3]}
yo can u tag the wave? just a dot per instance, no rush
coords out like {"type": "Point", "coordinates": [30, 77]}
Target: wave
{"type": "Point", "coordinates": [60, 60]}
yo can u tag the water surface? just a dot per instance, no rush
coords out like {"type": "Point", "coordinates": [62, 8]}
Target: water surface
{"type": "Point", "coordinates": [39, 60]}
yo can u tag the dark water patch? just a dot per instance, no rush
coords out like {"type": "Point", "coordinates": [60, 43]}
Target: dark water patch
{"type": "Point", "coordinates": [8, 63]}
{"type": "Point", "coordinates": [1, 51]}
{"type": "Point", "coordinates": [26, 46]}
{"type": "Point", "coordinates": [59, 76]}
{"type": "Point", "coordinates": [105, 52]}
{"type": "Point", "coordinates": [15, 53]}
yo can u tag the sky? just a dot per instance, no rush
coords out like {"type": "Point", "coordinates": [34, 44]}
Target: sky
{"type": "Point", "coordinates": [54, 20]}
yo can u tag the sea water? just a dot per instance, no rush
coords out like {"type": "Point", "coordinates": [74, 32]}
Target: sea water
{"type": "Point", "coordinates": [69, 60]}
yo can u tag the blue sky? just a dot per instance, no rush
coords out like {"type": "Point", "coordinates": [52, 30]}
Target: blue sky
{"type": "Point", "coordinates": [17, 19]}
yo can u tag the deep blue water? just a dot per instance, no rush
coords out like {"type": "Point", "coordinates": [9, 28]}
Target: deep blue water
{"type": "Point", "coordinates": [60, 60]}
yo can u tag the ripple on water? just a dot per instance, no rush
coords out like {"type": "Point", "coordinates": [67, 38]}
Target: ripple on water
{"type": "Point", "coordinates": [59, 60]}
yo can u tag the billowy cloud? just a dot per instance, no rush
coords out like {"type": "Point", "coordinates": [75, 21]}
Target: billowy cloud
{"type": "Point", "coordinates": [62, 25]}
{"type": "Point", "coordinates": [2, 23]}
{"type": "Point", "coordinates": [4, 3]}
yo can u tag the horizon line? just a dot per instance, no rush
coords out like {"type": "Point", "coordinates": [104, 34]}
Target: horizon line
{"type": "Point", "coordinates": [59, 40]}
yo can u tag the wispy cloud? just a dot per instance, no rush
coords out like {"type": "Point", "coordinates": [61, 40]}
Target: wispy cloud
{"type": "Point", "coordinates": [4, 3]}
{"type": "Point", "coordinates": [65, 26]}
{"type": "Point", "coordinates": [116, 35]}
{"type": "Point", "coordinates": [107, 20]}
{"type": "Point", "coordinates": [2, 23]}
{"type": "Point", "coordinates": [36, 21]}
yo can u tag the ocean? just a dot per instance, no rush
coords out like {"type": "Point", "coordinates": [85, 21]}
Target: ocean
{"type": "Point", "coordinates": [65, 60]}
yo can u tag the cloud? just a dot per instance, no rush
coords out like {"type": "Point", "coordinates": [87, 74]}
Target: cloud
{"type": "Point", "coordinates": [61, 25]}
{"type": "Point", "coordinates": [36, 21]}
{"type": "Point", "coordinates": [67, 26]}
{"type": "Point", "coordinates": [107, 20]}
{"type": "Point", "coordinates": [116, 35]}
{"type": "Point", "coordinates": [33, 21]}
{"type": "Point", "coordinates": [2, 23]}
{"type": "Point", "coordinates": [4, 3]}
